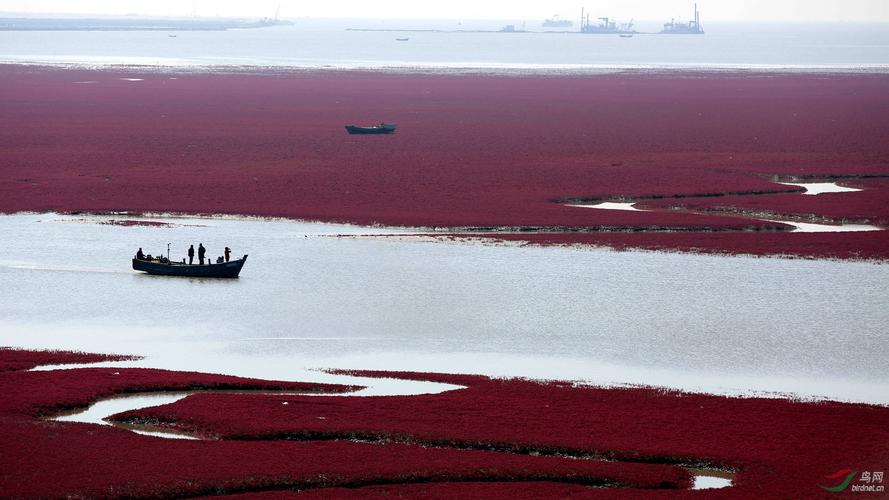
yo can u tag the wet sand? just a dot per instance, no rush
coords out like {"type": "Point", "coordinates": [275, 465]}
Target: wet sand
{"type": "Point", "coordinates": [470, 150]}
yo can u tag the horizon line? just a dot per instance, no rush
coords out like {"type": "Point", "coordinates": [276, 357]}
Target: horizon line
{"type": "Point", "coordinates": [40, 14]}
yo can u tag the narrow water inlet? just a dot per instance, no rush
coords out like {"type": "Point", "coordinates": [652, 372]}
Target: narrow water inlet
{"type": "Point", "coordinates": [104, 408]}
{"type": "Point", "coordinates": [709, 479]}
{"type": "Point", "coordinates": [611, 205]}
{"type": "Point", "coordinates": [810, 227]}
{"type": "Point", "coordinates": [798, 227]}
{"type": "Point", "coordinates": [816, 188]}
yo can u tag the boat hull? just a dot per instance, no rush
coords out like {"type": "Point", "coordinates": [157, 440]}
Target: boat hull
{"type": "Point", "coordinates": [381, 129]}
{"type": "Point", "coordinates": [229, 269]}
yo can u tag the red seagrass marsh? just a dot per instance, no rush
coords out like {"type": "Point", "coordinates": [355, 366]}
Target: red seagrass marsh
{"type": "Point", "coordinates": [483, 152]}
{"type": "Point", "coordinates": [524, 438]}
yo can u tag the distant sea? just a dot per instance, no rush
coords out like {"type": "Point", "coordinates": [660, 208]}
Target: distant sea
{"type": "Point", "coordinates": [463, 46]}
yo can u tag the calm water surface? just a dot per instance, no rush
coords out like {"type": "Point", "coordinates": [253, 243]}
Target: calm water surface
{"type": "Point", "coordinates": [322, 44]}
{"type": "Point", "coordinates": [308, 299]}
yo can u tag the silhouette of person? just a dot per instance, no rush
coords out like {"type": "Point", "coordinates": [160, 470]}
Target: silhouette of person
{"type": "Point", "coordinates": [228, 252]}
{"type": "Point", "coordinates": [191, 255]}
{"type": "Point", "coordinates": [201, 252]}
{"type": "Point", "coordinates": [140, 255]}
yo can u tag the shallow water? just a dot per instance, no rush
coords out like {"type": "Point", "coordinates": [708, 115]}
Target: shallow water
{"type": "Point", "coordinates": [612, 205]}
{"type": "Point", "coordinates": [811, 227]}
{"type": "Point", "coordinates": [704, 482]}
{"type": "Point", "coordinates": [97, 413]}
{"type": "Point", "coordinates": [308, 299]}
{"type": "Point", "coordinates": [816, 188]}
{"type": "Point", "coordinates": [799, 227]}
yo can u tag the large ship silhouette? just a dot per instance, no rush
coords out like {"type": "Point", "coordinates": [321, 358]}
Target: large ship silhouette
{"type": "Point", "coordinates": [606, 26]}
{"type": "Point", "coordinates": [555, 22]}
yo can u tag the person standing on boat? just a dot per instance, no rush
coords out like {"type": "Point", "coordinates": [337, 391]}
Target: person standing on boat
{"type": "Point", "coordinates": [140, 255]}
{"type": "Point", "coordinates": [228, 252]}
{"type": "Point", "coordinates": [201, 252]}
{"type": "Point", "coordinates": [191, 255]}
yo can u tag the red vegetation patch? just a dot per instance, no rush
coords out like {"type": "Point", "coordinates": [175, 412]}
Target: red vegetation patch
{"type": "Point", "coordinates": [495, 437]}
{"type": "Point", "coordinates": [872, 183]}
{"type": "Point", "coordinates": [55, 459]}
{"type": "Point", "coordinates": [868, 206]}
{"type": "Point", "coordinates": [43, 393]}
{"type": "Point", "coordinates": [468, 489]}
{"type": "Point", "coordinates": [470, 150]}
{"type": "Point", "coordinates": [19, 360]}
{"type": "Point", "coordinates": [780, 448]}
{"type": "Point", "coordinates": [852, 245]}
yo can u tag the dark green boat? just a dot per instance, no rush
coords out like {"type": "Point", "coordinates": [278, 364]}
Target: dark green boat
{"type": "Point", "coordinates": [383, 128]}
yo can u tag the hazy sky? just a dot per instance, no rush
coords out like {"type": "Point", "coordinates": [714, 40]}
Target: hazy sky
{"type": "Point", "coordinates": [713, 10]}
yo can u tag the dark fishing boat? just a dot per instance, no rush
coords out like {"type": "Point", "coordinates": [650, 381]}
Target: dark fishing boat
{"type": "Point", "coordinates": [383, 128]}
{"type": "Point", "coordinates": [164, 267]}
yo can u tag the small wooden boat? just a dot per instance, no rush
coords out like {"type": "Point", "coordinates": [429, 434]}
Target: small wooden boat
{"type": "Point", "coordinates": [383, 128]}
{"type": "Point", "coordinates": [164, 267]}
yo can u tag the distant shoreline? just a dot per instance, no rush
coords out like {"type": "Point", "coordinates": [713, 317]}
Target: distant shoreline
{"type": "Point", "coordinates": [493, 69]}
{"type": "Point", "coordinates": [132, 24]}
